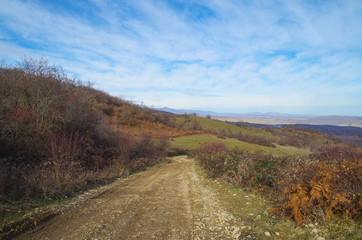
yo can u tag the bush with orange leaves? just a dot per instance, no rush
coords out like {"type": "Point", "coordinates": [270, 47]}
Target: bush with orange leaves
{"type": "Point", "coordinates": [331, 186]}
{"type": "Point", "coordinates": [307, 188]}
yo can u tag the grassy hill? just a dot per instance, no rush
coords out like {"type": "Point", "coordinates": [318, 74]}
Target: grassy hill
{"type": "Point", "coordinates": [190, 122]}
{"type": "Point", "coordinates": [348, 134]}
{"type": "Point", "coordinates": [194, 141]}
{"type": "Point", "coordinates": [246, 136]}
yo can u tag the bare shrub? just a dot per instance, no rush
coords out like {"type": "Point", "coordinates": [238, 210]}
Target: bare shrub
{"type": "Point", "coordinates": [313, 187]}
{"type": "Point", "coordinates": [196, 126]}
{"type": "Point", "coordinates": [64, 153]}
{"type": "Point", "coordinates": [177, 152]}
{"type": "Point", "coordinates": [145, 153]}
{"type": "Point", "coordinates": [127, 118]}
{"type": "Point", "coordinates": [55, 133]}
{"type": "Point", "coordinates": [109, 111]}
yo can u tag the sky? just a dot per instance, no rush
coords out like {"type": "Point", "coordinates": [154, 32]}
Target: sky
{"type": "Point", "coordinates": [229, 56]}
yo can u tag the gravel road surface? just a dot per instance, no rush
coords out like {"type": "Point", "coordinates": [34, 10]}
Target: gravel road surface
{"type": "Point", "coordinates": [168, 201]}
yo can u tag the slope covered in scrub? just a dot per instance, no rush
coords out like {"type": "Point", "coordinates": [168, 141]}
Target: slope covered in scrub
{"type": "Point", "coordinates": [58, 135]}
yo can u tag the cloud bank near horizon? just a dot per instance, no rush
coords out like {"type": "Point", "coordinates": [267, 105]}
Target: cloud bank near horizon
{"type": "Point", "coordinates": [225, 56]}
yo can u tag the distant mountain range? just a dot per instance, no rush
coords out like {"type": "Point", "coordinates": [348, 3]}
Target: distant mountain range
{"type": "Point", "coordinates": [186, 111]}
{"type": "Point", "coordinates": [275, 118]}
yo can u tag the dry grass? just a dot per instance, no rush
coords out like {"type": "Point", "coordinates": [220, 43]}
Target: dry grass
{"type": "Point", "coordinates": [308, 189]}
{"type": "Point", "coordinates": [256, 211]}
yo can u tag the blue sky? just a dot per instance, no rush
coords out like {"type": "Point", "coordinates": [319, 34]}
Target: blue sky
{"type": "Point", "coordinates": [221, 55]}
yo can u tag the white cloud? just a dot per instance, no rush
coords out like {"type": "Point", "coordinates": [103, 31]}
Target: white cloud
{"type": "Point", "coordinates": [238, 56]}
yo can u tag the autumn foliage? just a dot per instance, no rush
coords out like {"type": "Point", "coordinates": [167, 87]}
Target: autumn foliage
{"type": "Point", "coordinates": [330, 186]}
{"type": "Point", "coordinates": [58, 135]}
{"type": "Point", "coordinates": [306, 188]}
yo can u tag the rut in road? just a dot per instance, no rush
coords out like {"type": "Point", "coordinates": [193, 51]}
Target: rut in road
{"type": "Point", "coordinates": [166, 202]}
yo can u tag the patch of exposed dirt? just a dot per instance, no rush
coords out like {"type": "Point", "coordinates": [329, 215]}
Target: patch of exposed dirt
{"type": "Point", "coordinates": [168, 201]}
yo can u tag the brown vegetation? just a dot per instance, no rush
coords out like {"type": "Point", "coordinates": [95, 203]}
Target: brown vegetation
{"type": "Point", "coordinates": [315, 187]}
{"type": "Point", "coordinates": [297, 137]}
{"type": "Point", "coordinates": [58, 135]}
{"type": "Point", "coordinates": [333, 184]}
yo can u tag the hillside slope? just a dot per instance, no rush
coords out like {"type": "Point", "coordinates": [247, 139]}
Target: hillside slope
{"type": "Point", "coordinates": [58, 135]}
{"type": "Point", "coordinates": [192, 142]}
{"type": "Point", "coordinates": [195, 122]}
{"type": "Point", "coordinates": [247, 137]}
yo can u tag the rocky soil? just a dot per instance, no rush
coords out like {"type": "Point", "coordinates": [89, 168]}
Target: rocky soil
{"type": "Point", "coordinates": [168, 201]}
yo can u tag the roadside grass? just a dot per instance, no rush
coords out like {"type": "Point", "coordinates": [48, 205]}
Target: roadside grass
{"type": "Point", "coordinates": [251, 208]}
{"type": "Point", "coordinates": [215, 124]}
{"type": "Point", "coordinates": [14, 211]}
{"type": "Point", "coordinates": [11, 212]}
{"type": "Point", "coordinates": [193, 141]}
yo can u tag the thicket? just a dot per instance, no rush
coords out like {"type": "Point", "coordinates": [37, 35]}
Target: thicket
{"type": "Point", "coordinates": [314, 187]}
{"type": "Point", "coordinates": [297, 137]}
{"type": "Point", "coordinates": [55, 134]}
{"type": "Point", "coordinates": [255, 139]}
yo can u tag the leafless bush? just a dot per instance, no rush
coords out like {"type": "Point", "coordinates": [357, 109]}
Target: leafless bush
{"type": "Point", "coordinates": [328, 182]}
{"type": "Point", "coordinates": [55, 135]}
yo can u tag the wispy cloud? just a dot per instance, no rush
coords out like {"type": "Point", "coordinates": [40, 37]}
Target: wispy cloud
{"type": "Point", "coordinates": [216, 55]}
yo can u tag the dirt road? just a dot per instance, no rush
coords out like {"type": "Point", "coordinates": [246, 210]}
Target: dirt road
{"type": "Point", "coordinates": [168, 201]}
